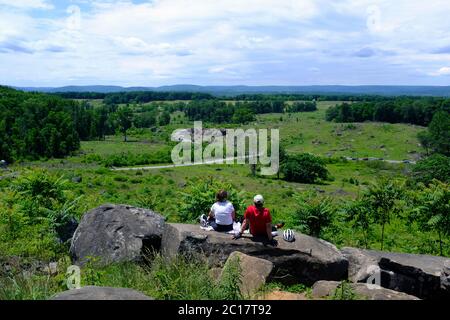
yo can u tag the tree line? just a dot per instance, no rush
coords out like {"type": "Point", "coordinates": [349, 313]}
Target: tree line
{"type": "Point", "coordinates": [418, 111]}
{"type": "Point", "coordinates": [149, 96]}
{"type": "Point", "coordinates": [34, 125]}
{"type": "Point", "coordinates": [240, 111]}
{"type": "Point", "coordinates": [134, 96]}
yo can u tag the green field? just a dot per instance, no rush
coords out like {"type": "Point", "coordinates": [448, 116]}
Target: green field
{"type": "Point", "coordinates": [300, 132]}
{"type": "Point", "coordinates": [90, 180]}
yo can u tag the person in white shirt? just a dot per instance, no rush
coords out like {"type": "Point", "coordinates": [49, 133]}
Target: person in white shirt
{"type": "Point", "coordinates": [222, 213]}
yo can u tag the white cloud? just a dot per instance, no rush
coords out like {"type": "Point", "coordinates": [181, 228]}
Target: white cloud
{"type": "Point", "coordinates": [444, 71]}
{"type": "Point", "coordinates": [27, 4]}
{"type": "Point", "coordinates": [205, 41]}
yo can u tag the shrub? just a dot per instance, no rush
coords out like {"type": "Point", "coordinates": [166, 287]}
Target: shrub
{"type": "Point", "coordinates": [436, 167]}
{"type": "Point", "coordinates": [131, 159]}
{"type": "Point", "coordinates": [200, 194]}
{"type": "Point", "coordinates": [177, 278]}
{"type": "Point", "coordinates": [433, 210]}
{"type": "Point", "coordinates": [304, 168]}
{"type": "Point", "coordinates": [36, 213]}
{"type": "Point", "coordinates": [344, 292]}
{"type": "Point", "coordinates": [314, 213]}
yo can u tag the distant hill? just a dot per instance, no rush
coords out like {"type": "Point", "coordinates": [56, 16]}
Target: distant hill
{"type": "Point", "coordinates": [438, 91]}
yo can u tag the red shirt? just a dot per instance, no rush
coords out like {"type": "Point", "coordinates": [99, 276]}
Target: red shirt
{"type": "Point", "coordinates": [258, 218]}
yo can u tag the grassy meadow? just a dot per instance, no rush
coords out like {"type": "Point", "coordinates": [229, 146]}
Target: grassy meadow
{"type": "Point", "coordinates": [90, 181]}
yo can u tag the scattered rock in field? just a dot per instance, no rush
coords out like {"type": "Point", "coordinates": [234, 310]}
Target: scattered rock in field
{"type": "Point", "coordinates": [14, 265]}
{"type": "Point", "coordinates": [101, 293]}
{"type": "Point", "coordinates": [340, 193]}
{"type": "Point", "coordinates": [326, 289]}
{"type": "Point", "coordinates": [306, 260]}
{"type": "Point", "coordinates": [51, 268]}
{"type": "Point", "coordinates": [77, 179]}
{"type": "Point", "coordinates": [114, 233]}
{"type": "Point", "coordinates": [423, 276]}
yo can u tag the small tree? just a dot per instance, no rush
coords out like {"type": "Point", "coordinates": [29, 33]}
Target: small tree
{"type": "Point", "coordinates": [125, 120]}
{"type": "Point", "coordinates": [164, 118]}
{"type": "Point", "coordinates": [425, 141]}
{"type": "Point", "coordinates": [314, 214]}
{"type": "Point", "coordinates": [304, 168]}
{"type": "Point", "coordinates": [381, 199]}
{"type": "Point", "coordinates": [436, 167]}
{"type": "Point", "coordinates": [433, 213]}
{"type": "Point", "coordinates": [243, 115]}
{"type": "Point", "coordinates": [358, 213]}
{"type": "Point", "coordinates": [439, 132]}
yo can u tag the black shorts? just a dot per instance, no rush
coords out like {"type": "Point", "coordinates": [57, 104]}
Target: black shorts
{"type": "Point", "coordinates": [221, 227]}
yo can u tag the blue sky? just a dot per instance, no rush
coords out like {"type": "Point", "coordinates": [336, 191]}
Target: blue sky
{"type": "Point", "coordinates": [224, 42]}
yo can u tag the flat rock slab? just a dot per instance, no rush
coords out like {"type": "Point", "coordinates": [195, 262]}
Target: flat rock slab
{"type": "Point", "coordinates": [306, 260]}
{"type": "Point", "coordinates": [327, 289]}
{"type": "Point", "coordinates": [424, 276]}
{"type": "Point", "coordinates": [116, 233]}
{"type": "Point", "coordinates": [101, 293]}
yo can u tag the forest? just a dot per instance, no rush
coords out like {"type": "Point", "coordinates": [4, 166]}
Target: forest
{"type": "Point", "coordinates": [396, 110]}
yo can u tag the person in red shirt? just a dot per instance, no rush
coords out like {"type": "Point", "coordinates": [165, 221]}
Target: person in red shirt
{"type": "Point", "coordinates": [259, 219]}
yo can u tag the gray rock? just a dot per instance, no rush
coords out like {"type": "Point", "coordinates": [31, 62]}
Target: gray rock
{"type": "Point", "coordinates": [254, 272]}
{"type": "Point", "coordinates": [114, 233]}
{"type": "Point", "coordinates": [77, 179]}
{"type": "Point", "coordinates": [424, 276]}
{"type": "Point", "coordinates": [51, 268]}
{"type": "Point", "coordinates": [326, 289]}
{"type": "Point", "coordinates": [306, 260]}
{"type": "Point", "coordinates": [101, 293]}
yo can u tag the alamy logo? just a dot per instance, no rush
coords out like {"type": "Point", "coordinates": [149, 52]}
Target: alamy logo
{"type": "Point", "coordinates": [374, 280]}
{"type": "Point", "coordinates": [74, 277]}
{"type": "Point", "coordinates": [227, 146]}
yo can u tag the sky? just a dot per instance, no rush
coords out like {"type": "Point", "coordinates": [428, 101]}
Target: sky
{"type": "Point", "coordinates": [50, 43]}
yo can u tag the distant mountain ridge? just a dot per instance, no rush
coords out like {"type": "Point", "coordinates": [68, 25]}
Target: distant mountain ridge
{"type": "Point", "coordinates": [437, 91]}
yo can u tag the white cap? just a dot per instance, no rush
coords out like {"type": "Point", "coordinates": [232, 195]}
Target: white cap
{"type": "Point", "coordinates": [258, 199]}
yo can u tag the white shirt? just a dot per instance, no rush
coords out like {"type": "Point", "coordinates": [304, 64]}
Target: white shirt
{"type": "Point", "coordinates": [223, 212]}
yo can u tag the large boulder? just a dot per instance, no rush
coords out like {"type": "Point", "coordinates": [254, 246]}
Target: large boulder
{"type": "Point", "coordinates": [305, 260]}
{"type": "Point", "coordinates": [424, 276]}
{"type": "Point", "coordinates": [101, 293]}
{"type": "Point", "coordinates": [327, 289]}
{"type": "Point", "coordinates": [115, 233]}
{"type": "Point", "coordinates": [253, 272]}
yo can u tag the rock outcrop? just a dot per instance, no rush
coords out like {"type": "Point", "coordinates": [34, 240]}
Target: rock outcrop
{"type": "Point", "coordinates": [114, 233]}
{"type": "Point", "coordinates": [101, 293]}
{"type": "Point", "coordinates": [254, 272]}
{"type": "Point", "coordinates": [424, 276]}
{"type": "Point", "coordinates": [326, 289]}
{"type": "Point", "coordinates": [306, 260]}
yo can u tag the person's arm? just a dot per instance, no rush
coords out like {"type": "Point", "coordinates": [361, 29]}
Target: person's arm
{"type": "Point", "coordinates": [233, 215]}
{"type": "Point", "coordinates": [269, 225]}
{"type": "Point", "coordinates": [269, 230]}
{"type": "Point", "coordinates": [211, 212]}
{"type": "Point", "coordinates": [244, 225]}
